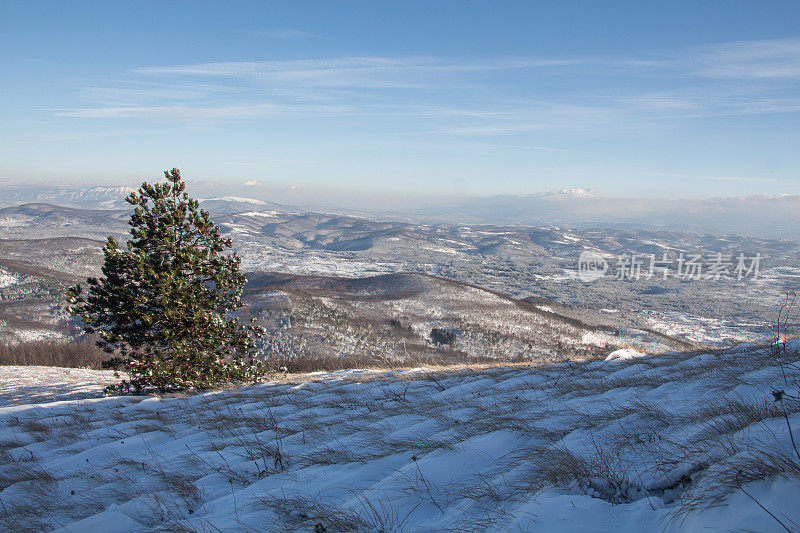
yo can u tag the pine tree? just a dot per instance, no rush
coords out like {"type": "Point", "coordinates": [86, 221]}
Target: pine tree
{"type": "Point", "coordinates": [167, 299]}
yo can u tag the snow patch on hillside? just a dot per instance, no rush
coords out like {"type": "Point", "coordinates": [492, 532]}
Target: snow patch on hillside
{"type": "Point", "coordinates": [624, 354]}
{"type": "Point", "coordinates": [13, 221]}
{"type": "Point", "coordinates": [7, 279]}
{"type": "Point", "coordinates": [240, 199]}
{"type": "Point", "coordinates": [704, 330]}
{"type": "Point", "coordinates": [266, 214]}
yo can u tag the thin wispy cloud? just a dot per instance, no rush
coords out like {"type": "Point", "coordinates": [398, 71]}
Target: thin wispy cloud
{"type": "Point", "coordinates": [128, 92]}
{"type": "Point", "coordinates": [426, 87]}
{"type": "Point", "coordinates": [750, 179]}
{"type": "Point", "coordinates": [272, 87]}
{"type": "Point", "coordinates": [661, 103]}
{"type": "Point", "coordinates": [703, 106]}
{"type": "Point", "coordinates": [536, 148]}
{"type": "Point", "coordinates": [358, 72]}
{"type": "Point", "coordinates": [774, 58]}
{"type": "Point", "coordinates": [353, 72]}
{"type": "Point", "coordinates": [527, 116]}
{"type": "Point", "coordinates": [191, 114]}
{"type": "Point", "coordinates": [255, 68]}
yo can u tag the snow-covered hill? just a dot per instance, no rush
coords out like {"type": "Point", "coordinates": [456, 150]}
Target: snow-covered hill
{"type": "Point", "coordinates": [393, 317]}
{"type": "Point", "coordinates": [673, 442]}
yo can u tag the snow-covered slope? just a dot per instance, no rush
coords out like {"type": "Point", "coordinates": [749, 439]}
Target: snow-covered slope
{"type": "Point", "coordinates": [623, 445]}
{"type": "Point", "coordinates": [392, 317]}
{"type": "Point", "coordinates": [33, 384]}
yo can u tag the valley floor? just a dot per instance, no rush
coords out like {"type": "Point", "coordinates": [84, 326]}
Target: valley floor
{"type": "Point", "coordinates": [670, 442]}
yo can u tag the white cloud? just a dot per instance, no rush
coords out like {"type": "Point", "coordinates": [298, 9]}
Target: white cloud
{"type": "Point", "coordinates": [189, 114]}
{"type": "Point", "coordinates": [252, 68]}
{"type": "Point", "coordinates": [126, 92]}
{"type": "Point", "coordinates": [435, 89]}
{"type": "Point", "coordinates": [750, 179]}
{"type": "Point", "coordinates": [660, 103]}
{"type": "Point", "coordinates": [357, 72]}
{"type": "Point", "coordinates": [773, 58]}
{"type": "Point", "coordinates": [252, 183]}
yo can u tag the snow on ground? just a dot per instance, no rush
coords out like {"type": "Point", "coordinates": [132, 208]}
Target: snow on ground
{"type": "Point", "coordinates": [14, 222]}
{"type": "Point", "coordinates": [235, 228]}
{"type": "Point", "coordinates": [643, 340]}
{"type": "Point", "coordinates": [267, 214]}
{"type": "Point", "coordinates": [703, 330]}
{"type": "Point", "coordinates": [7, 279]}
{"type": "Point", "coordinates": [628, 445]}
{"type": "Point", "coordinates": [32, 384]}
{"type": "Point", "coordinates": [315, 265]}
{"type": "Point", "coordinates": [240, 199]}
{"type": "Point", "coordinates": [32, 335]}
{"type": "Point", "coordinates": [624, 353]}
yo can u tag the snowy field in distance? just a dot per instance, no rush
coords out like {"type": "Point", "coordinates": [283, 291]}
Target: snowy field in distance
{"type": "Point", "coordinates": [705, 331]}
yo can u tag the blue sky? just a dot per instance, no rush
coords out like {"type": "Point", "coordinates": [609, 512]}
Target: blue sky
{"type": "Point", "coordinates": [673, 99]}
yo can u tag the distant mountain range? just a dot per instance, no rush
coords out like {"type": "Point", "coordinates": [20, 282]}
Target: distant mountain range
{"type": "Point", "coordinates": [770, 216]}
{"type": "Point", "coordinates": [97, 197]}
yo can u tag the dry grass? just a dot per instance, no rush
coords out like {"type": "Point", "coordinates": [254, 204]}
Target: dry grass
{"type": "Point", "coordinates": [724, 416]}
{"type": "Point", "coordinates": [35, 429]}
{"type": "Point", "coordinates": [602, 474]}
{"type": "Point", "coordinates": [763, 460]}
{"type": "Point", "coordinates": [329, 363]}
{"type": "Point", "coordinates": [302, 513]}
{"type": "Point", "coordinates": [71, 354]}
